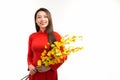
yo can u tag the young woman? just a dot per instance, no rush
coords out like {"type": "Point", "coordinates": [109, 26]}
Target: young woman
{"type": "Point", "coordinates": [44, 35]}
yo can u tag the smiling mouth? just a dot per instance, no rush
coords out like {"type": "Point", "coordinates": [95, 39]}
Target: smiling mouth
{"type": "Point", "coordinates": [42, 23]}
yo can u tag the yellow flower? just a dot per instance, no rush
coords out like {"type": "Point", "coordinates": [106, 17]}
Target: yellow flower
{"type": "Point", "coordinates": [39, 62]}
{"type": "Point", "coordinates": [45, 47]}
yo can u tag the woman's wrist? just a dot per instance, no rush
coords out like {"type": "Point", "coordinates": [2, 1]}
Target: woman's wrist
{"type": "Point", "coordinates": [43, 68]}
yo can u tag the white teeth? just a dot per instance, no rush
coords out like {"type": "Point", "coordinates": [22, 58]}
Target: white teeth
{"type": "Point", "coordinates": [42, 22]}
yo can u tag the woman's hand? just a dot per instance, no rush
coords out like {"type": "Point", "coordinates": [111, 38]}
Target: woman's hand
{"type": "Point", "coordinates": [43, 68]}
{"type": "Point", "coordinates": [32, 69]}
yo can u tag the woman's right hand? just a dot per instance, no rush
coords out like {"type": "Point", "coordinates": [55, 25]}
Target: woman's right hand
{"type": "Point", "coordinates": [32, 69]}
{"type": "Point", "coordinates": [43, 68]}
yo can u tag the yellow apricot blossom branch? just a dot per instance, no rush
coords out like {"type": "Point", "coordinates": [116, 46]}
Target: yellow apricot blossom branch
{"type": "Point", "coordinates": [59, 50]}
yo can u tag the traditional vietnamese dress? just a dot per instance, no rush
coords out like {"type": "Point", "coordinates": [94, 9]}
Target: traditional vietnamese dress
{"type": "Point", "coordinates": [37, 42]}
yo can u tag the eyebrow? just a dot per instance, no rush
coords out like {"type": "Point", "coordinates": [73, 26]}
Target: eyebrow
{"type": "Point", "coordinates": [40, 15]}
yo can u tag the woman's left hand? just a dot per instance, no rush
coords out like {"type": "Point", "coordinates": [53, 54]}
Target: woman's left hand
{"type": "Point", "coordinates": [43, 68]}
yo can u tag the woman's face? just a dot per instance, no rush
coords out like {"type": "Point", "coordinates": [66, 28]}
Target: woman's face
{"type": "Point", "coordinates": [42, 20]}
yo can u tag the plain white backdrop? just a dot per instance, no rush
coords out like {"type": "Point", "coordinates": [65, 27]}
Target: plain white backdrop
{"type": "Point", "coordinates": [97, 20]}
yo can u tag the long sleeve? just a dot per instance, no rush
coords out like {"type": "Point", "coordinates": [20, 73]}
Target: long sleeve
{"type": "Point", "coordinates": [30, 53]}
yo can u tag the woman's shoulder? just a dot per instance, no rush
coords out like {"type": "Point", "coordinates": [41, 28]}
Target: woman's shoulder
{"type": "Point", "coordinates": [57, 35]}
{"type": "Point", "coordinates": [33, 34]}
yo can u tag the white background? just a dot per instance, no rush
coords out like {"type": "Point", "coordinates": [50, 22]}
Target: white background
{"type": "Point", "coordinates": [97, 20]}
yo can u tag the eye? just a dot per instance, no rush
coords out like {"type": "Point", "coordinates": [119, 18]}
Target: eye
{"type": "Point", "coordinates": [38, 16]}
{"type": "Point", "coordinates": [45, 16]}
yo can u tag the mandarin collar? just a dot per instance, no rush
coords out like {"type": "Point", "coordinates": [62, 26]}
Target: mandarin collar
{"type": "Point", "coordinates": [40, 31]}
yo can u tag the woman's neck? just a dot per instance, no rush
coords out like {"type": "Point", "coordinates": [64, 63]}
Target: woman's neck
{"type": "Point", "coordinates": [42, 29]}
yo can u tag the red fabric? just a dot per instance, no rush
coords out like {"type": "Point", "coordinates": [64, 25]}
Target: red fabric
{"type": "Point", "coordinates": [36, 44]}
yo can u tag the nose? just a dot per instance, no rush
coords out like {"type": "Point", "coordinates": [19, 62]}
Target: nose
{"type": "Point", "coordinates": [43, 18]}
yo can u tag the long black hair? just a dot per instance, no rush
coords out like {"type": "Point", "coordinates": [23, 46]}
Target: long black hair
{"type": "Point", "coordinates": [49, 28]}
